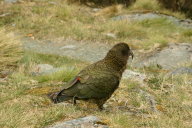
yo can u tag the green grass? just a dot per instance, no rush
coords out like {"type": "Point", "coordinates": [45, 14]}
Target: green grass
{"type": "Point", "coordinates": [49, 21]}
{"type": "Point", "coordinates": [11, 49]}
{"type": "Point", "coordinates": [57, 61]}
{"type": "Point", "coordinates": [64, 75]}
{"type": "Point", "coordinates": [24, 102]}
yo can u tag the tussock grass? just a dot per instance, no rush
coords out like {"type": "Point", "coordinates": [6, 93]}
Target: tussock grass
{"type": "Point", "coordinates": [24, 102]}
{"type": "Point", "coordinates": [178, 5]}
{"type": "Point", "coordinates": [45, 20]}
{"type": "Point", "coordinates": [11, 50]}
{"type": "Point", "coordinates": [23, 97]}
{"type": "Point", "coordinates": [145, 5]}
{"type": "Point", "coordinates": [63, 75]}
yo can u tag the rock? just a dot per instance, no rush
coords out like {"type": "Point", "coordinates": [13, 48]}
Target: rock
{"type": "Point", "coordinates": [182, 70]}
{"type": "Point", "coordinates": [146, 16]}
{"type": "Point", "coordinates": [53, 3]}
{"type": "Point", "coordinates": [128, 74]}
{"type": "Point", "coordinates": [85, 122]}
{"type": "Point", "coordinates": [96, 9]}
{"type": "Point", "coordinates": [81, 50]}
{"type": "Point", "coordinates": [68, 47]}
{"type": "Point", "coordinates": [44, 69]}
{"type": "Point", "coordinates": [138, 16]}
{"type": "Point", "coordinates": [168, 58]}
{"type": "Point", "coordinates": [10, 1]}
{"type": "Point", "coordinates": [111, 35]}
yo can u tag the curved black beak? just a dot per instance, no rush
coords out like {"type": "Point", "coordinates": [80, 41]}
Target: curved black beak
{"type": "Point", "coordinates": [131, 53]}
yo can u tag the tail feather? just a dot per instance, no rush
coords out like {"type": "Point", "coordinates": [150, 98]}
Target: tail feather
{"type": "Point", "coordinates": [56, 98]}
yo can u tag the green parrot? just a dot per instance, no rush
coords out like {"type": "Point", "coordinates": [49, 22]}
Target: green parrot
{"type": "Point", "coordinates": [98, 81]}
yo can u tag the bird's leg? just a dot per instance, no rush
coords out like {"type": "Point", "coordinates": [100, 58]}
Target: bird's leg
{"type": "Point", "coordinates": [100, 107]}
{"type": "Point", "coordinates": [74, 100]}
{"type": "Point", "coordinates": [53, 97]}
{"type": "Point", "coordinates": [100, 103]}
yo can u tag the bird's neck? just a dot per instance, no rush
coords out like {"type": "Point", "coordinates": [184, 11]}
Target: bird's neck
{"type": "Point", "coordinates": [115, 64]}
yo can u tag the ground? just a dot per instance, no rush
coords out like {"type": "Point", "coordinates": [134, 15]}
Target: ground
{"type": "Point", "coordinates": [24, 102]}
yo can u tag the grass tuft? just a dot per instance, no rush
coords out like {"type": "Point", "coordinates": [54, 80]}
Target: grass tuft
{"type": "Point", "coordinates": [11, 50]}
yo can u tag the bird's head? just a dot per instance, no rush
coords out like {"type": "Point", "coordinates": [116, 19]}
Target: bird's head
{"type": "Point", "coordinates": [119, 54]}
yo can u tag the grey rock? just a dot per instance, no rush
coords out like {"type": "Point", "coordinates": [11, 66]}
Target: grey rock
{"type": "Point", "coordinates": [10, 1]}
{"type": "Point", "coordinates": [128, 74]}
{"type": "Point", "coordinates": [168, 58]}
{"type": "Point", "coordinates": [182, 70]}
{"type": "Point", "coordinates": [136, 16]}
{"type": "Point", "coordinates": [85, 122]}
{"type": "Point", "coordinates": [96, 9]}
{"type": "Point", "coordinates": [111, 35]}
{"type": "Point", "coordinates": [82, 50]}
{"type": "Point", "coordinates": [44, 69]}
{"type": "Point", "coordinates": [146, 16]}
{"type": "Point", "coordinates": [68, 47]}
{"type": "Point", "coordinates": [53, 3]}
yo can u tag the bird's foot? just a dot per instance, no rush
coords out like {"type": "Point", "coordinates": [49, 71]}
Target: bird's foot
{"type": "Point", "coordinates": [53, 97]}
{"type": "Point", "coordinates": [74, 101]}
{"type": "Point", "coordinates": [101, 108]}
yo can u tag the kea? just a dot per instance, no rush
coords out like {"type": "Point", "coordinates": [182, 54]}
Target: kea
{"type": "Point", "coordinates": [98, 81]}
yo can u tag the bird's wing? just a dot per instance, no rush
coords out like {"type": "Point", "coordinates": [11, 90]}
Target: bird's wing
{"type": "Point", "coordinates": [91, 83]}
{"type": "Point", "coordinates": [80, 78]}
{"type": "Point", "coordinates": [98, 86]}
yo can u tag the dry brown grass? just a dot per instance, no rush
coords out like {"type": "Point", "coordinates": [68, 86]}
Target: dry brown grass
{"type": "Point", "coordinates": [109, 11]}
{"type": "Point", "coordinates": [178, 5]}
{"type": "Point", "coordinates": [11, 49]}
{"type": "Point", "coordinates": [24, 104]}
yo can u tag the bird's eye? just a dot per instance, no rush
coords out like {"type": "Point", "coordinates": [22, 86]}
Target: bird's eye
{"type": "Point", "coordinates": [124, 52]}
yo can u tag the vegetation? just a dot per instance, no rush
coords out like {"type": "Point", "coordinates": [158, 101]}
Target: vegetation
{"type": "Point", "coordinates": [178, 5]}
{"type": "Point", "coordinates": [45, 20]}
{"type": "Point", "coordinates": [24, 102]}
{"type": "Point", "coordinates": [106, 2]}
{"type": "Point", "coordinates": [23, 97]}
{"type": "Point", "coordinates": [11, 50]}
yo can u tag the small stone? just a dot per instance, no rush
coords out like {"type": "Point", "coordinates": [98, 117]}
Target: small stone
{"type": "Point", "coordinates": [111, 35]}
{"type": "Point", "coordinates": [68, 47]}
{"type": "Point", "coordinates": [168, 58]}
{"type": "Point", "coordinates": [53, 3]}
{"type": "Point", "coordinates": [44, 69]}
{"type": "Point", "coordinates": [85, 122]}
{"type": "Point", "coordinates": [182, 70]}
{"type": "Point", "coordinates": [187, 23]}
{"type": "Point", "coordinates": [10, 1]}
{"type": "Point", "coordinates": [128, 74]}
{"type": "Point", "coordinates": [96, 9]}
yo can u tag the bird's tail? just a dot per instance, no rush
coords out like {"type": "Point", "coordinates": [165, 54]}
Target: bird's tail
{"type": "Point", "coordinates": [56, 97]}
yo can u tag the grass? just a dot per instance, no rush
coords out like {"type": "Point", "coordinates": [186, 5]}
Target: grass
{"type": "Point", "coordinates": [24, 102]}
{"type": "Point", "coordinates": [45, 20]}
{"type": "Point", "coordinates": [11, 49]}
